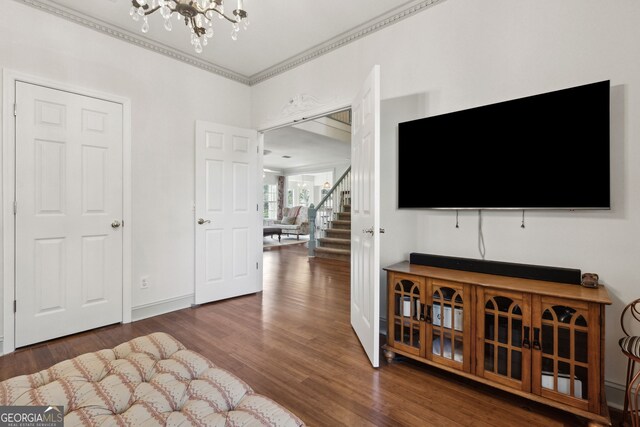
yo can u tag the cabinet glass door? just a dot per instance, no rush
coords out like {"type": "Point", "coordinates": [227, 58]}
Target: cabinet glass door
{"type": "Point", "coordinates": [561, 347]}
{"type": "Point", "coordinates": [406, 311]}
{"type": "Point", "coordinates": [448, 335]}
{"type": "Point", "coordinates": [504, 338]}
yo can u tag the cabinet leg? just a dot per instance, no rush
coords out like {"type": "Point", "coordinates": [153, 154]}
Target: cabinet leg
{"type": "Point", "coordinates": [389, 355]}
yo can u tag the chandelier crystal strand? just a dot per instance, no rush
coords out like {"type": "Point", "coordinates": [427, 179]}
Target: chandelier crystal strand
{"type": "Point", "coordinates": [196, 14]}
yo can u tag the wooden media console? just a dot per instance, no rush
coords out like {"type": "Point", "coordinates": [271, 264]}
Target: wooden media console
{"type": "Point", "coordinates": [537, 339]}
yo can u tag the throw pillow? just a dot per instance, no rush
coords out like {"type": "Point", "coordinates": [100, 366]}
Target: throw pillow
{"type": "Point", "coordinates": [287, 220]}
{"type": "Point", "coordinates": [293, 212]}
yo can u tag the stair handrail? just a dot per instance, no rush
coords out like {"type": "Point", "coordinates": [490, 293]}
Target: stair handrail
{"type": "Point", "coordinates": [333, 189]}
{"type": "Point", "coordinates": [313, 210]}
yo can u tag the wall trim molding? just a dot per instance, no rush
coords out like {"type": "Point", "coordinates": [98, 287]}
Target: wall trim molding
{"type": "Point", "coordinates": [157, 308]}
{"type": "Point", "coordinates": [133, 38]}
{"type": "Point", "coordinates": [303, 107]}
{"type": "Point", "coordinates": [392, 17]}
{"type": "Point", "coordinates": [378, 23]}
{"type": "Point", "coordinates": [615, 394]}
{"type": "Point", "coordinates": [318, 168]}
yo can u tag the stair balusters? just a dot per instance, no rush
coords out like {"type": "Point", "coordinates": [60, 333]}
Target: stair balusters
{"type": "Point", "coordinates": [336, 201]}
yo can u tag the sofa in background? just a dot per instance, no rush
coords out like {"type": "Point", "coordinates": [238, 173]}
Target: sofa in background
{"type": "Point", "coordinates": [295, 220]}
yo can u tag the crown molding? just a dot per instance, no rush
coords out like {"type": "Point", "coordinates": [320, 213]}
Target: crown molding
{"type": "Point", "coordinates": [376, 24]}
{"type": "Point", "coordinates": [343, 39]}
{"type": "Point", "coordinates": [133, 38]}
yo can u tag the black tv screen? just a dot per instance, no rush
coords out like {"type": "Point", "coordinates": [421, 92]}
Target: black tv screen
{"type": "Point", "coordinates": [547, 151]}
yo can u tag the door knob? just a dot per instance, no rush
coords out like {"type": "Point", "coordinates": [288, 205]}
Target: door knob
{"type": "Point", "coordinates": [368, 230]}
{"type": "Point", "coordinates": [115, 223]}
{"type": "Point", "coordinates": [203, 221]}
{"type": "Point", "coordinates": [381, 230]}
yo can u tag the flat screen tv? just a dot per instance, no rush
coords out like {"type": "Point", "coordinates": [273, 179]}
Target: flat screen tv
{"type": "Point", "coordinates": [547, 151]}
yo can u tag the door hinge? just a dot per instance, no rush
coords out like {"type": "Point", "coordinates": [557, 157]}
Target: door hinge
{"type": "Point", "coordinates": [257, 150]}
{"type": "Point", "coordinates": [123, 223]}
{"type": "Point", "coordinates": [257, 209]}
{"type": "Point", "coordinates": [15, 109]}
{"type": "Point", "coordinates": [256, 265]}
{"type": "Point", "coordinates": [15, 306]}
{"type": "Point", "coordinates": [15, 207]}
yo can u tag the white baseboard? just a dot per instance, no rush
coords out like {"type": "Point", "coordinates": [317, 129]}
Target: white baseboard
{"type": "Point", "coordinates": [614, 391]}
{"type": "Point", "coordinates": [615, 394]}
{"type": "Point", "coordinates": [148, 310]}
{"type": "Point", "coordinates": [161, 307]}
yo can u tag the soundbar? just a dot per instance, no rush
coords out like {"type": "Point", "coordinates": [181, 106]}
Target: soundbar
{"type": "Point", "coordinates": [570, 276]}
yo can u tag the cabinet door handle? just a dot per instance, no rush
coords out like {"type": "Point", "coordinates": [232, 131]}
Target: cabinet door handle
{"type": "Point", "coordinates": [525, 341]}
{"type": "Point", "coordinates": [427, 310]}
{"type": "Point", "coordinates": [419, 311]}
{"type": "Point", "coordinates": [536, 339]}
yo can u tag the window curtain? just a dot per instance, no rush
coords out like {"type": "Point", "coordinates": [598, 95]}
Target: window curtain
{"type": "Point", "coordinates": [280, 196]}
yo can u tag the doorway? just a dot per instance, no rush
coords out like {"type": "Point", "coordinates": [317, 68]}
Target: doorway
{"type": "Point", "coordinates": [302, 163]}
{"type": "Point", "coordinates": [365, 258]}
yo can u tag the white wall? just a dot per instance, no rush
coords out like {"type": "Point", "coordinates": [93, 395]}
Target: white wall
{"type": "Point", "coordinates": [395, 243]}
{"type": "Point", "coordinates": [455, 55]}
{"type": "Point", "coordinates": [270, 178]}
{"type": "Point", "coordinates": [339, 170]}
{"type": "Point", "coordinates": [166, 98]}
{"type": "Point", "coordinates": [461, 54]}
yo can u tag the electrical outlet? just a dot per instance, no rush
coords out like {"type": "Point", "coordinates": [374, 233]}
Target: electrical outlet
{"type": "Point", "coordinates": [144, 283]}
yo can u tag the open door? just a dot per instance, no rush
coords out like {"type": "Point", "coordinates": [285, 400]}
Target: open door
{"type": "Point", "coordinates": [227, 213]}
{"type": "Point", "coordinates": [365, 216]}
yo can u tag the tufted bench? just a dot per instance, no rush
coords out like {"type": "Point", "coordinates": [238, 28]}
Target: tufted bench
{"type": "Point", "coordinates": [150, 380]}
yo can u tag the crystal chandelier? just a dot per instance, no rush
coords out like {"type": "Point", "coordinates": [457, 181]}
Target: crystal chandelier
{"type": "Point", "coordinates": [198, 16]}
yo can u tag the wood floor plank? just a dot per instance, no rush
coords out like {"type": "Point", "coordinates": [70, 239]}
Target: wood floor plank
{"type": "Point", "coordinates": [293, 342]}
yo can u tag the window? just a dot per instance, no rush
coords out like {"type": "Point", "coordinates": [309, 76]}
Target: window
{"type": "Point", "coordinates": [270, 204]}
{"type": "Point", "coordinates": [289, 198]}
{"type": "Point", "coordinates": [303, 198]}
{"type": "Point", "coordinates": [305, 189]}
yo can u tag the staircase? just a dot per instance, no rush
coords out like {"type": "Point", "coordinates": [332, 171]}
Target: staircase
{"type": "Point", "coordinates": [330, 222]}
{"type": "Point", "coordinates": [337, 241]}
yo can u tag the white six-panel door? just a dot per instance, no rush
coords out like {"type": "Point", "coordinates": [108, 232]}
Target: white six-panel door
{"type": "Point", "coordinates": [69, 211]}
{"type": "Point", "coordinates": [365, 216]}
{"type": "Point", "coordinates": [228, 238]}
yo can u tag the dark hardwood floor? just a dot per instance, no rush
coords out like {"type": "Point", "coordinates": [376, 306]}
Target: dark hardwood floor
{"type": "Point", "coordinates": [293, 342]}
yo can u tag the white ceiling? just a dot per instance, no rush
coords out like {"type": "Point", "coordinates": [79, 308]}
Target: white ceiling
{"type": "Point", "coordinates": [282, 34]}
{"type": "Point", "coordinates": [307, 150]}
{"type": "Point", "coordinates": [279, 32]}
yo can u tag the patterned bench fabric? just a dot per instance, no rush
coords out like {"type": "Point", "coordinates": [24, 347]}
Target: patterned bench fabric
{"type": "Point", "coordinates": [151, 380]}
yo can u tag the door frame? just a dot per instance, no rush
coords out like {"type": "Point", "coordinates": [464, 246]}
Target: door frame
{"type": "Point", "coordinates": [198, 128]}
{"type": "Point", "coordinates": [7, 184]}
{"type": "Point", "coordinates": [295, 118]}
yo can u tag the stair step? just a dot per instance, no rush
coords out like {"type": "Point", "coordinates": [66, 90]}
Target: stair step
{"type": "Point", "coordinates": [338, 233]}
{"type": "Point", "coordinates": [335, 243]}
{"type": "Point", "coordinates": [341, 224]}
{"type": "Point", "coordinates": [332, 253]}
{"type": "Point", "coordinates": [344, 216]}
{"type": "Point", "coordinates": [346, 208]}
